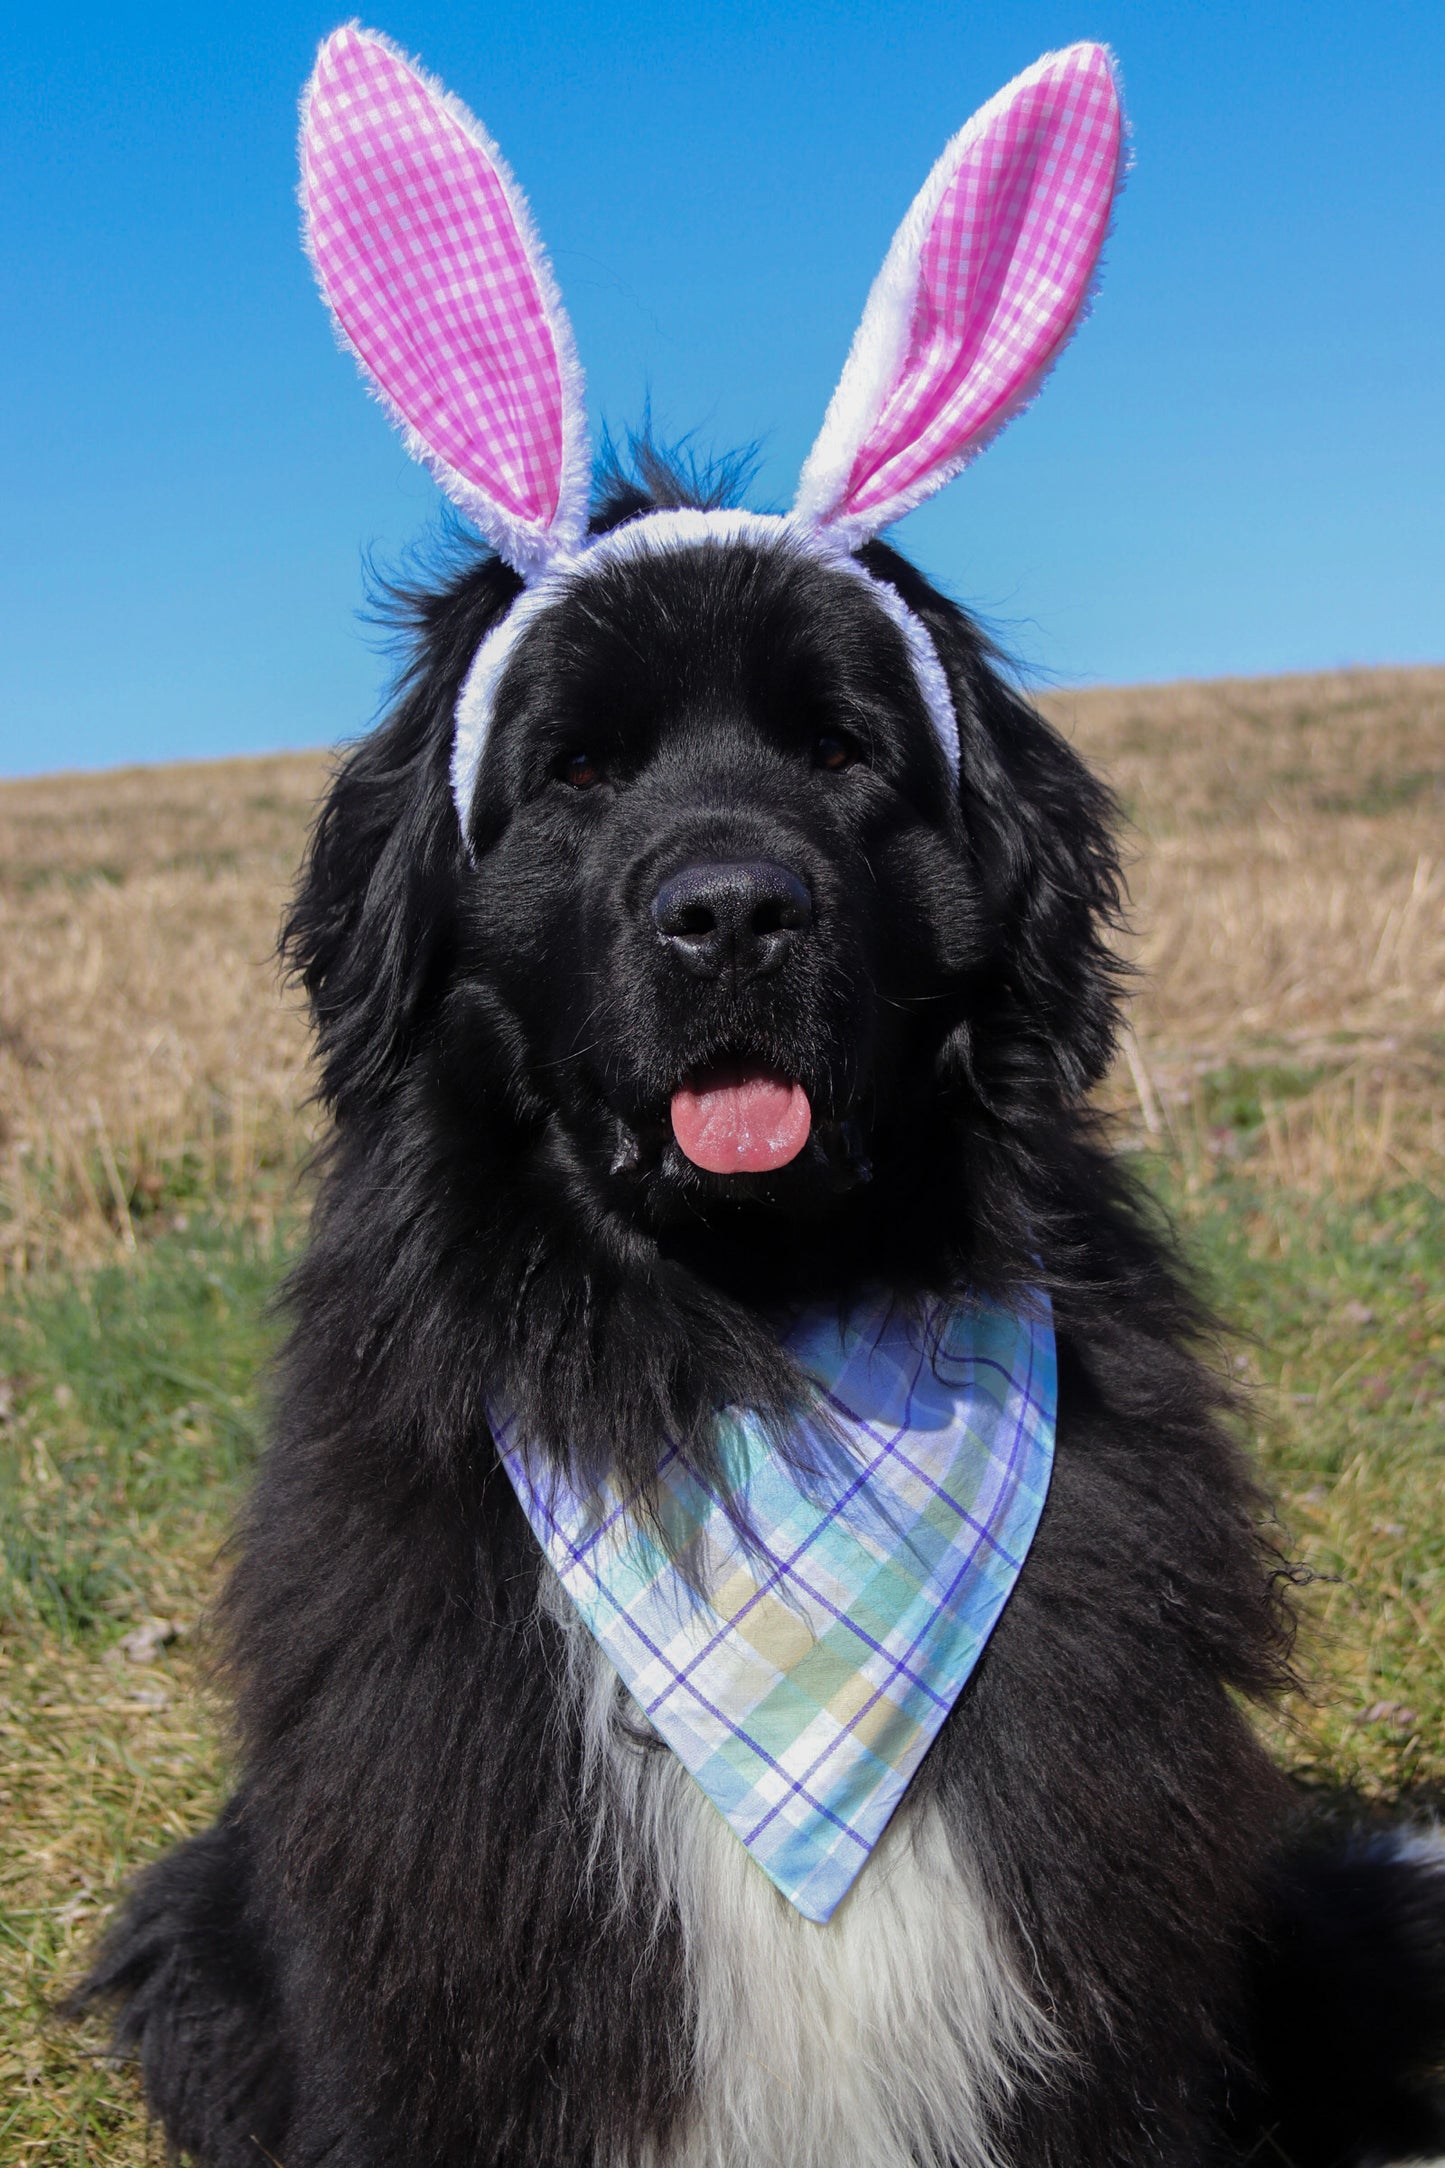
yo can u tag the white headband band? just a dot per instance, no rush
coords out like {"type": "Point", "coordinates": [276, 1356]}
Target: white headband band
{"type": "Point", "coordinates": [653, 533]}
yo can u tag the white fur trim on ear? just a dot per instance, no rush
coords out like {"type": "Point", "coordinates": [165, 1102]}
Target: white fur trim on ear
{"type": "Point", "coordinates": [649, 535]}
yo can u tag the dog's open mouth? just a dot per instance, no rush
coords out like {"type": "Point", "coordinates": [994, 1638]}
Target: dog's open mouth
{"type": "Point", "coordinates": [738, 1117]}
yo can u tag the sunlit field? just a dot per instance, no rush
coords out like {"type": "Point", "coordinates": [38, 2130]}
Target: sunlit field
{"type": "Point", "coordinates": [1283, 1087]}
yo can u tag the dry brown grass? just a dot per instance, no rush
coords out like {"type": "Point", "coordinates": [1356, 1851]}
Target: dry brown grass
{"type": "Point", "coordinates": [146, 1053]}
{"type": "Point", "coordinates": [1288, 886]}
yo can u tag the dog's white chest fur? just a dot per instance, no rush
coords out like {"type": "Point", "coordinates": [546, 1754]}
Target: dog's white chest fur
{"type": "Point", "coordinates": [879, 2040]}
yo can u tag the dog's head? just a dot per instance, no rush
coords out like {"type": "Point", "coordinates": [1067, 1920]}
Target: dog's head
{"type": "Point", "coordinates": [709, 900]}
{"type": "Point", "coordinates": [725, 936]}
{"type": "Point", "coordinates": [716, 855]}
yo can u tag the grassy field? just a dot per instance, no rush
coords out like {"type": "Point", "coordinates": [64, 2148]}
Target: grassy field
{"type": "Point", "coordinates": [1283, 1086]}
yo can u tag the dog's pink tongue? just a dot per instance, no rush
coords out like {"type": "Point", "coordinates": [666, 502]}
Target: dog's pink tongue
{"type": "Point", "coordinates": [741, 1121]}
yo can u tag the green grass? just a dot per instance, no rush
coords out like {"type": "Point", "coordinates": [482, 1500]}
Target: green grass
{"type": "Point", "coordinates": [1234, 1098]}
{"type": "Point", "coordinates": [1344, 1311]}
{"type": "Point", "coordinates": [134, 1417]}
{"type": "Point", "coordinates": [131, 1417]}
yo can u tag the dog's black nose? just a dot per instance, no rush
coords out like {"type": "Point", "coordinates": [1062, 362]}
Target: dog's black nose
{"type": "Point", "coordinates": [741, 916]}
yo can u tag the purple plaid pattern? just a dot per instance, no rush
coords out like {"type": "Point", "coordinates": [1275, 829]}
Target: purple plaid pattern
{"type": "Point", "coordinates": [801, 1676]}
{"type": "Point", "coordinates": [423, 259]}
{"type": "Point", "coordinates": [1003, 272]}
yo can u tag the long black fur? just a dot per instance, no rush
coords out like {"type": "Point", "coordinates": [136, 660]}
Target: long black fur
{"type": "Point", "coordinates": [388, 1948]}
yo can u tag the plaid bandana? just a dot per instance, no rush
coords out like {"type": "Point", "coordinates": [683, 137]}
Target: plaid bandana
{"type": "Point", "coordinates": [801, 1671]}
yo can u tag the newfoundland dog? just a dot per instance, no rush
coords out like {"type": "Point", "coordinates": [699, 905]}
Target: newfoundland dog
{"type": "Point", "coordinates": [711, 937]}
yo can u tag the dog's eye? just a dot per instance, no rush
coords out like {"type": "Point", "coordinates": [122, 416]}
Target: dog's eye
{"type": "Point", "coordinates": [580, 770]}
{"type": "Point", "coordinates": [833, 751]}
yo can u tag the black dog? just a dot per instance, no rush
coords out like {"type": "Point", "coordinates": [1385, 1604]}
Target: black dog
{"type": "Point", "coordinates": [432, 1927]}
{"type": "Point", "coordinates": [465, 1909]}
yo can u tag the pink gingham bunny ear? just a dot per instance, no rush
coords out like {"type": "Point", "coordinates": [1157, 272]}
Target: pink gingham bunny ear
{"type": "Point", "coordinates": [427, 255]}
{"type": "Point", "coordinates": [986, 278]}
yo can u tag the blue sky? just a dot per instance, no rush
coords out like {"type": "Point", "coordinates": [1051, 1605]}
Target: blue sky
{"type": "Point", "coordinates": [1239, 465]}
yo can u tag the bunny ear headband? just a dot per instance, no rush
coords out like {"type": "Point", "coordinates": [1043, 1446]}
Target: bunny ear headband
{"type": "Point", "coordinates": [427, 255]}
